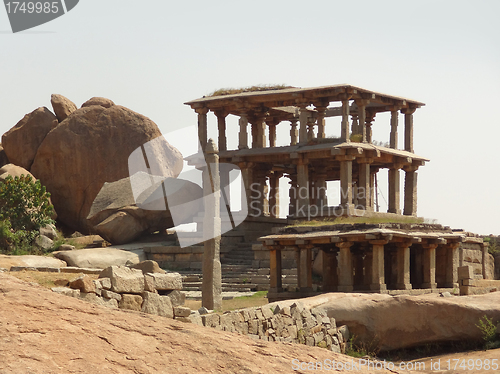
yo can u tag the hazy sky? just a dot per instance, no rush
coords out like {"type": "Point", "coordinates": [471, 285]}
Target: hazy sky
{"type": "Point", "coordinates": [152, 56]}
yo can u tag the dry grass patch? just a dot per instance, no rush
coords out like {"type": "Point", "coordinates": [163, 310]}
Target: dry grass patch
{"type": "Point", "coordinates": [46, 279]}
{"type": "Point", "coordinates": [258, 299]}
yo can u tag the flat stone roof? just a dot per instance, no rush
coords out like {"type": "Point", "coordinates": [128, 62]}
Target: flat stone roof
{"type": "Point", "coordinates": [290, 97]}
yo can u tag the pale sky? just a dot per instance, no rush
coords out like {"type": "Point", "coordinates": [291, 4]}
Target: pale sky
{"type": "Point", "coordinates": [152, 56]}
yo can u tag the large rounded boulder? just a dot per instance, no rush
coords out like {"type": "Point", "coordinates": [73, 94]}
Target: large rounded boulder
{"type": "Point", "coordinates": [91, 147]}
{"type": "Point", "coordinates": [21, 142]}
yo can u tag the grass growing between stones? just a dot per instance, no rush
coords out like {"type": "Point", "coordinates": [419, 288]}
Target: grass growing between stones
{"type": "Point", "coordinates": [257, 299]}
{"type": "Point", "coordinates": [46, 279]}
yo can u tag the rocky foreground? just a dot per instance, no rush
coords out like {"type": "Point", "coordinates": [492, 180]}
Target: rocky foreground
{"type": "Point", "coordinates": [43, 332]}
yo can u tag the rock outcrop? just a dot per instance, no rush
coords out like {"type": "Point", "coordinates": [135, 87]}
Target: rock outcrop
{"type": "Point", "coordinates": [100, 258]}
{"type": "Point", "coordinates": [13, 171]}
{"type": "Point", "coordinates": [100, 101]}
{"type": "Point", "coordinates": [22, 141]}
{"type": "Point", "coordinates": [62, 106]}
{"type": "Point", "coordinates": [91, 147]}
{"type": "Point", "coordinates": [115, 216]}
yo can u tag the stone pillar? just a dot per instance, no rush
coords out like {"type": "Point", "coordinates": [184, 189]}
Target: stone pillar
{"type": "Point", "coordinates": [321, 109]}
{"type": "Point", "coordinates": [275, 270]}
{"type": "Point", "coordinates": [410, 208]}
{"type": "Point", "coordinates": [354, 125]}
{"type": "Point", "coordinates": [364, 191]}
{"type": "Point", "coordinates": [302, 188]}
{"type": "Point", "coordinates": [212, 278]}
{"type": "Point", "coordinates": [394, 129]}
{"type": "Point", "coordinates": [303, 119]}
{"type": "Point", "coordinates": [274, 195]}
{"type": "Point", "coordinates": [330, 274]}
{"type": "Point", "coordinates": [272, 134]}
{"type": "Point", "coordinates": [344, 132]}
{"type": "Point", "coordinates": [378, 275]}
{"type": "Point", "coordinates": [310, 129]}
{"type": "Point", "coordinates": [221, 125]}
{"type": "Point", "coordinates": [258, 132]}
{"type": "Point", "coordinates": [202, 126]}
{"type": "Point", "coordinates": [368, 265]}
{"type": "Point", "coordinates": [345, 267]}
{"type": "Point", "coordinates": [429, 266]}
{"type": "Point", "coordinates": [294, 133]}
{"type": "Point", "coordinates": [292, 193]}
{"type": "Point", "coordinates": [321, 195]}
{"type": "Point", "coordinates": [304, 268]}
{"type": "Point", "coordinates": [258, 192]}
{"type": "Point", "coordinates": [243, 135]}
{"type": "Point", "coordinates": [358, 270]}
{"type": "Point", "coordinates": [408, 112]}
{"type": "Point", "coordinates": [403, 266]}
{"type": "Point", "coordinates": [346, 181]}
{"type": "Point", "coordinates": [452, 264]}
{"type": "Point", "coordinates": [370, 116]}
{"type": "Point", "coordinates": [362, 117]}
{"type": "Point", "coordinates": [247, 181]}
{"type": "Point", "coordinates": [394, 197]}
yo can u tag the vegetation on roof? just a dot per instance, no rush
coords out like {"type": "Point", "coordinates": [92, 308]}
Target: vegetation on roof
{"type": "Point", "coordinates": [260, 87]}
{"type": "Point", "coordinates": [368, 220]}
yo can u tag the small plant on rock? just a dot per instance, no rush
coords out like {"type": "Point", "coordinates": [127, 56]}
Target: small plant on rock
{"type": "Point", "coordinates": [489, 331]}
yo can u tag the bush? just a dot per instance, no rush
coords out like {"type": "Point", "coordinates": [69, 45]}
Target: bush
{"type": "Point", "coordinates": [24, 208]}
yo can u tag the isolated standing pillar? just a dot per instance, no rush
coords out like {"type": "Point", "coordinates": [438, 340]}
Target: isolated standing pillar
{"type": "Point", "coordinates": [212, 277]}
{"type": "Point", "coordinates": [410, 208]}
{"type": "Point", "coordinates": [394, 190]}
{"type": "Point", "coordinates": [344, 134]}
{"type": "Point", "coordinates": [408, 129]}
{"type": "Point", "coordinates": [243, 135]}
{"type": "Point", "coordinates": [394, 130]}
{"type": "Point", "coordinates": [202, 126]}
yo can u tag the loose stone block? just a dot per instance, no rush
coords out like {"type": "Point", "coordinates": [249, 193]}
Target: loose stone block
{"type": "Point", "coordinates": [167, 281]}
{"type": "Point", "coordinates": [107, 294]}
{"type": "Point", "coordinates": [149, 284]}
{"type": "Point", "coordinates": [83, 283]}
{"type": "Point", "coordinates": [267, 312]}
{"type": "Point", "coordinates": [210, 320]}
{"type": "Point", "coordinates": [245, 315]}
{"type": "Point", "coordinates": [344, 330]}
{"type": "Point", "coordinates": [148, 266]}
{"type": "Point", "coordinates": [226, 322]}
{"type": "Point", "coordinates": [66, 291]}
{"type": "Point", "coordinates": [94, 299]}
{"type": "Point", "coordinates": [177, 297]}
{"type": "Point", "coordinates": [253, 327]}
{"type": "Point", "coordinates": [98, 287]}
{"type": "Point", "coordinates": [131, 302]}
{"type": "Point", "coordinates": [310, 341]}
{"type": "Point", "coordinates": [286, 311]}
{"type": "Point", "coordinates": [333, 323]}
{"type": "Point", "coordinates": [124, 279]}
{"type": "Point", "coordinates": [292, 331]}
{"type": "Point", "coordinates": [259, 315]}
{"type": "Point", "coordinates": [157, 304]}
{"type": "Point", "coordinates": [105, 283]}
{"type": "Point", "coordinates": [196, 319]}
{"type": "Point", "coordinates": [251, 313]}
{"type": "Point", "coordinates": [181, 311]}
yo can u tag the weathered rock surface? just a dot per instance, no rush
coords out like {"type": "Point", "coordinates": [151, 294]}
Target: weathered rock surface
{"type": "Point", "coordinates": [4, 160]}
{"type": "Point", "coordinates": [83, 283]}
{"type": "Point", "coordinates": [403, 321]}
{"type": "Point", "coordinates": [31, 261]}
{"type": "Point", "coordinates": [43, 332]}
{"type": "Point", "coordinates": [91, 147]}
{"type": "Point", "coordinates": [100, 101]}
{"type": "Point", "coordinates": [13, 171]}
{"type": "Point", "coordinates": [115, 216]}
{"type": "Point", "coordinates": [156, 304]}
{"type": "Point", "coordinates": [148, 266]}
{"type": "Point", "coordinates": [124, 279]}
{"type": "Point", "coordinates": [62, 106]}
{"type": "Point", "coordinates": [43, 242]}
{"type": "Point", "coordinates": [23, 140]}
{"type": "Point", "coordinates": [166, 282]}
{"type": "Point", "coordinates": [100, 258]}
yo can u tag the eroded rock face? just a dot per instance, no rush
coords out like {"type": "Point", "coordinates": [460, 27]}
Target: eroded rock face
{"type": "Point", "coordinates": [100, 258]}
{"type": "Point", "coordinates": [101, 101]}
{"type": "Point", "coordinates": [115, 216]}
{"type": "Point", "coordinates": [22, 141]}
{"type": "Point", "coordinates": [62, 106]}
{"type": "Point", "coordinates": [89, 148]}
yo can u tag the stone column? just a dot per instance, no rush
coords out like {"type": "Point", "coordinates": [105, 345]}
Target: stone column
{"type": "Point", "coordinates": [344, 132]}
{"type": "Point", "coordinates": [243, 135]}
{"type": "Point", "coordinates": [258, 132]}
{"type": "Point", "coordinates": [330, 274]}
{"type": "Point", "coordinates": [403, 267]}
{"type": "Point", "coordinates": [212, 278]}
{"type": "Point", "coordinates": [294, 133]}
{"type": "Point", "coordinates": [394, 197]}
{"type": "Point", "coordinates": [370, 116]}
{"type": "Point", "coordinates": [274, 195]}
{"type": "Point", "coordinates": [358, 270]}
{"type": "Point", "coordinates": [429, 265]}
{"type": "Point", "coordinates": [410, 208]}
{"type": "Point", "coordinates": [378, 275]}
{"type": "Point", "coordinates": [275, 270]}
{"type": "Point", "coordinates": [346, 181]}
{"type": "Point", "coordinates": [304, 270]}
{"type": "Point", "coordinates": [394, 129]}
{"type": "Point", "coordinates": [408, 112]}
{"type": "Point", "coordinates": [321, 195]}
{"type": "Point", "coordinates": [303, 119]}
{"type": "Point", "coordinates": [310, 128]}
{"type": "Point", "coordinates": [345, 267]}
{"type": "Point", "coordinates": [258, 192]}
{"type": "Point", "coordinates": [202, 126]}
{"type": "Point", "coordinates": [302, 188]}
{"type": "Point", "coordinates": [368, 265]}
{"type": "Point", "coordinates": [362, 117]}
{"type": "Point", "coordinates": [452, 264]}
{"type": "Point", "coordinates": [293, 196]}
{"type": "Point", "coordinates": [364, 191]}
{"type": "Point", "coordinates": [272, 134]}
{"type": "Point", "coordinates": [354, 125]}
{"type": "Point", "coordinates": [247, 181]}
{"type": "Point", "coordinates": [221, 125]}
{"type": "Point", "coordinates": [321, 109]}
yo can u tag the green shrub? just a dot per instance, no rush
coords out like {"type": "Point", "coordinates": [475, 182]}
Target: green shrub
{"type": "Point", "coordinates": [487, 328]}
{"type": "Point", "coordinates": [24, 208]}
